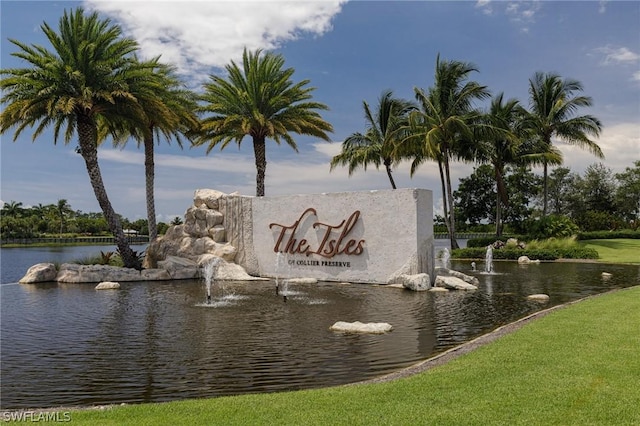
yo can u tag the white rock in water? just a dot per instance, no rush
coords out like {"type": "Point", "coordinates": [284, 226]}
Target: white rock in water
{"type": "Point", "coordinates": [539, 297]}
{"type": "Point", "coordinates": [108, 285]}
{"type": "Point", "coordinates": [359, 327]}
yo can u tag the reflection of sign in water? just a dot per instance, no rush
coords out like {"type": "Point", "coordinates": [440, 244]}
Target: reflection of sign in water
{"type": "Point", "coordinates": [289, 240]}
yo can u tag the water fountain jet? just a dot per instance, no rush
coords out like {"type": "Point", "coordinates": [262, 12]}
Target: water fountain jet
{"type": "Point", "coordinates": [210, 271]}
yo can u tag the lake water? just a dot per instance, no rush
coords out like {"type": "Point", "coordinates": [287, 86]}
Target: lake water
{"type": "Point", "coordinates": [68, 344]}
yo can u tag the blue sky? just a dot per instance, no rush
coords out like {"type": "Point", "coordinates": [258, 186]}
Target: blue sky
{"type": "Point", "coordinates": [351, 52]}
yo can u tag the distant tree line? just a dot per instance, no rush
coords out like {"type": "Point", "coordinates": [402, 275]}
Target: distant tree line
{"type": "Point", "coordinates": [54, 220]}
{"type": "Point", "coordinates": [597, 200]}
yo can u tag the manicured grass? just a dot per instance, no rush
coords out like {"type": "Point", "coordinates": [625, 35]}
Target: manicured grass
{"type": "Point", "coordinates": [576, 366]}
{"type": "Point", "coordinates": [619, 250]}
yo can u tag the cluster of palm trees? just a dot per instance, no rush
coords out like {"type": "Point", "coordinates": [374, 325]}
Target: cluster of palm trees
{"type": "Point", "coordinates": [93, 85]}
{"type": "Point", "coordinates": [443, 125]}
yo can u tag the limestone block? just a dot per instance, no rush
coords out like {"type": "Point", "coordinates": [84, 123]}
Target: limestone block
{"type": "Point", "coordinates": [41, 272]}
{"type": "Point", "coordinates": [70, 273]}
{"type": "Point", "coordinates": [225, 251]}
{"type": "Point", "coordinates": [179, 268]}
{"type": "Point", "coordinates": [359, 327]}
{"type": "Point", "coordinates": [232, 272]}
{"type": "Point", "coordinates": [538, 297]}
{"type": "Point", "coordinates": [200, 213]}
{"type": "Point", "coordinates": [416, 282]}
{"type": "Point", "coordinates": [213, 218]}
{"type": "Point", "coordinates": [453, 283]}
{"type": "Point", "coordinates": [175, 232]}
{"type": "Point", "coordinates": [155, 274]}
{"type": "Point", "coordinates": [464, 277]}
{"type": "Point", "coordinates": [524, 260]}
{"type": "Point", "coordinates": [108, 285]}
{"type": "Point", "coordinates": [301, 281]}
{"type": "Point", "coordinates": [217, 233]}
{"type": "Point", "coordinates": [207, 197]}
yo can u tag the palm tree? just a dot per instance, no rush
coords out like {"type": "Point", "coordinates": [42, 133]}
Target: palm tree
{"type": "Point", "coordinates": [169, 112]}
{"type": "Point", "coordinates": [63, 208]}
{"type": "Point", "coordinates": [380, 142]}
{"type": "Point", "coordinates": [261, 101]}
{"type": "Point", "coordinates": [443, 127]}
{"type": "Point", "coordinates": [83, 80]}
{"type": "Point", "coordinates": [553, 108]}
{"type": "Point", "coordinates": [13, 209]}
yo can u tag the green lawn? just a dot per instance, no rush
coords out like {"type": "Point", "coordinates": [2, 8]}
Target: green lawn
{"type": "Point", "coordinates": [619, 250]}
{"type": "Point", "coordinates": [579, 365]}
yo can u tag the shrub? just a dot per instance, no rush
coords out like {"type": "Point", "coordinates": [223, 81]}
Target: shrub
{"type": "Point", "coordinates": [553, 226]}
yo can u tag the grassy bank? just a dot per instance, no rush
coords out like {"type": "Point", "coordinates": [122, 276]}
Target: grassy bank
{"type": "Point", "coordinates": [576, 366]}
{"type": "Point", "coordinates": [619, 250]}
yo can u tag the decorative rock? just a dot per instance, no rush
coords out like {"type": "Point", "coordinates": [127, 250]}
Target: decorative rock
{"type": "Point", "coordinates": [301, 281]}
{"type": "Point", "coordinates": [359, 327]}
{"type": "Point", "coordinates": [207, 197]}
{"type": "Point", "coordinates": [154, 275]}
{"type": "Point", "coordinates": [74, 273]}
{"type": "Point", "coordinates": [606, 275]}
{"type": "Point", "coordinates": [41, 272]}
{"type": "Point", "coordinates": [538, 297]}
{"type": "Point", "coordinates": [108, 285]}
{"type": "Point", "coordinates": [417, 282]}
{"type": "Point", "coordinates": [438, 290]}
{"type": "Point", "coordinates": [453, 283]}
{"type": "Point", "coordinates": [179, 267]}
{"type": "Point", "coordinates": [524, 260]}
{"type": "Point", "coordinates": [217, 233]}
{"type": "Point", "coordinates": [464, 277]}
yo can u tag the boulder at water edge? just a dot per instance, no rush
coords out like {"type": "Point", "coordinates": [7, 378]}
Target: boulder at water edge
{"type": "Point", "coordinates": [453, 283]}
{"type": "Point", "coordinates": [41, 272]}
{"type": "Point", "coordinates": [416, 282]}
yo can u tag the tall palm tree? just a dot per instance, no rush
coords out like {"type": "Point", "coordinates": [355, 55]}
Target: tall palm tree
{"type": "Point", "coordinates": [443, 127]}
{"type": "Point", "coordinates": [169, 112]}
{"type": "Point", "coordinates": [83, 80]}
{"type": "Point", "coordinates": [380, 142]}
{"type": "Point", "coordinates": [553, 107]}
{"type": "Point", "coordinates": [63, 209]}
{"type": "Point", "coordinates": [261, 101]}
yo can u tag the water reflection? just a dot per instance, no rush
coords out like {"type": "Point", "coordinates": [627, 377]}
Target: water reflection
{"type": "Point", "coordinates": [71, 345]}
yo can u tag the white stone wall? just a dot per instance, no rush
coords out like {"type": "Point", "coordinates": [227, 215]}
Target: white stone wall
{"type": "Point", "coordinates": [393, 235]}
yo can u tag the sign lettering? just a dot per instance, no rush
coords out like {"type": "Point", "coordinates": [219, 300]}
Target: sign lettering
{"type": "Point", "coordinates": [289, 240]}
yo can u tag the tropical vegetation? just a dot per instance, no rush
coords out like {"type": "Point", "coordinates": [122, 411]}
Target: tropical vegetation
{"type": "Point", "coordinates": [92, 85]}
{"type": "Point", "coordinates": [85, 81]}
{"type": "Point", "coordinates": [381, 143]}
{"type": "Point", "coordinates": [259, 100]}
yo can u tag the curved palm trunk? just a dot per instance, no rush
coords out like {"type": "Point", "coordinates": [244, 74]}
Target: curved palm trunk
{"type": "Point", "coordinates": [149, 174]}
{"type": "Point", "coordinates": [501, 197]}
{"type": "Point", "coordinates": [445, 209]}
{"type": "Point", "coordinates": [387, 165]}
{"type": "Point", "coordinates": [259, 151]}
{"type": "Point", "coordinates": [89, 151]}
{"type": "Point", "coordinates": [452, 219]}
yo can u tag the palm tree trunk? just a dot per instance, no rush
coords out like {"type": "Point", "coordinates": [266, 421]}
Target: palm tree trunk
{"type": "Point", "coordinates": [544, 189]}
{"type": "Point", "coordinates": [445, 210]}
{"type": "Point", "coordinates": [89, 150]}
{"type": "Point", "coordinates": [387, 165]}
{"type": "Point", "coordinates": [452, 219]}
{"type": "Point", "coordinates": [259, 151]}
{"type": "Point", "coordinates": [498, 213]}
{"type": "Point", "coordinates": [149, 174]}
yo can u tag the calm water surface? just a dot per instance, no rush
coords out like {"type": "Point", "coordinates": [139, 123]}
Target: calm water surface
{"type": "Point", "coordinates": [68, 344]}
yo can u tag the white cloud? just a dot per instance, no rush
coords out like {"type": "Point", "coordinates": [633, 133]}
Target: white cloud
{"type": "Point", "coordinates": [485, 6]}
{"type": "Point", "coordinates": [617, 55]}
{"type": "Point", "coordinates": [201, 36]}
{"type": "Point", "coordinates": [602, 6]}
{"type": "Point", "coordinates": [620, 144]}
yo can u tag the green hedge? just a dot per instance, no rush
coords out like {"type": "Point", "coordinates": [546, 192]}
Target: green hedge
{"type": "Point", "coordinates": [514, 253]}
{"type": "Point", "coordinates": [605, 235]}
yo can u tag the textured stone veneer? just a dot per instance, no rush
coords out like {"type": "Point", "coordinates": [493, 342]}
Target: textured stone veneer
{"type": "Point", "coordinates": [393, 235]}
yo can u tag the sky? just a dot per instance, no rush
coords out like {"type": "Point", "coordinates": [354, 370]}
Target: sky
{"type": "Point", "coordinates": [350, 51]}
